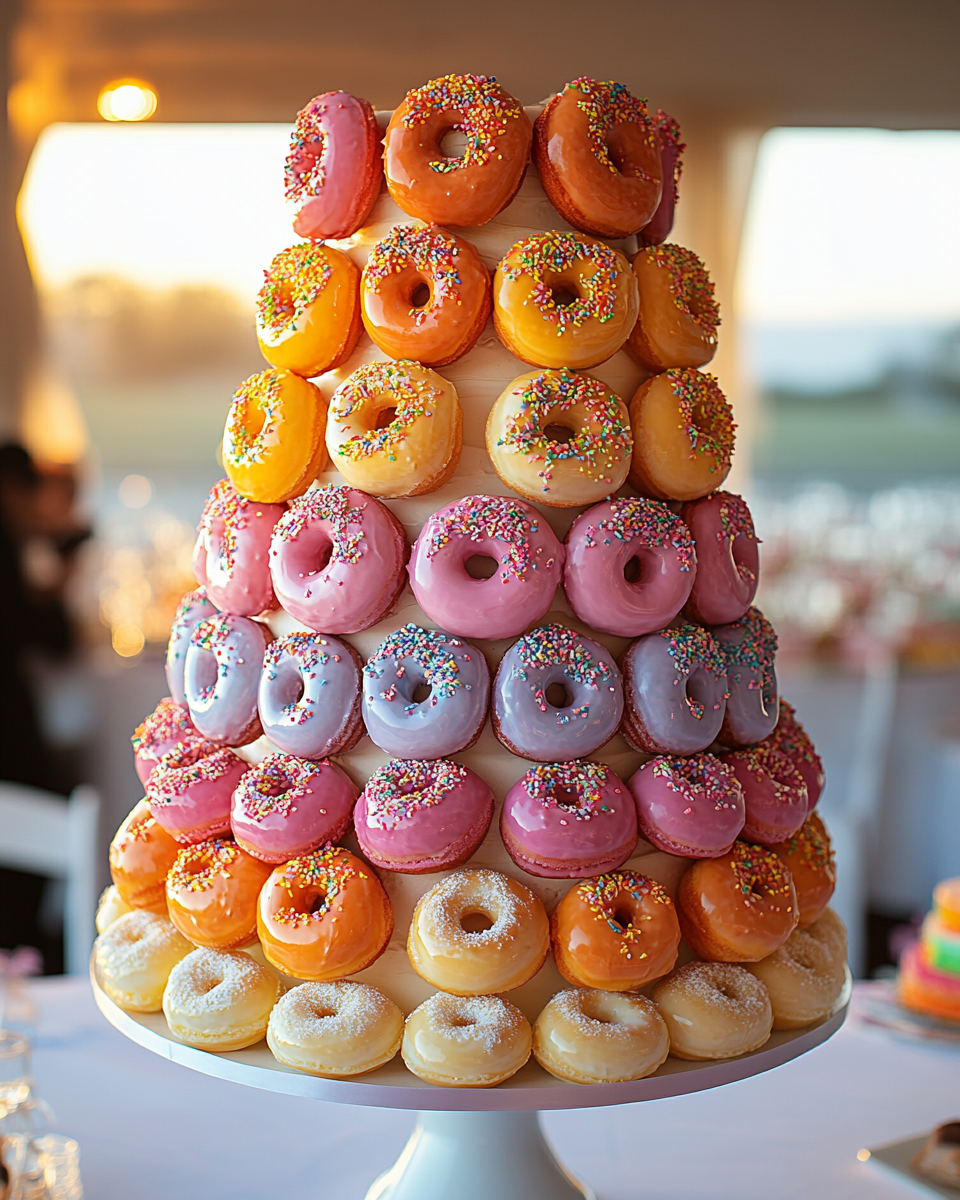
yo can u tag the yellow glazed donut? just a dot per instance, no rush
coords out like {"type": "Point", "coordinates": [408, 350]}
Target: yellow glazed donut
{"type": "Point", "coordinates": [523, 438]}
{"type": "Point", "coordinates": [587, 1036]}
{"type": "Point", "coordinates": [395, 429]}
{"type": "Point", "coordinates": [273, 445]}
{"type": "Point", "coordinates": [507, 953]}
{"type": "Point", "coordinates": [683, 435]}
{"type": "Point", "coordinates": [335, 1030]}
{"type": "Point", "coordinates": [530, 287]}
{"type": "Point", "coordinates": [308, 310]}
{"type": "Point", "coordinates": [219, 1000]}
{"type": "Point", "coordinates": [678, 318]}
{"type": "Point", "coordinates": [457, 1041]}
{"type": "Point", "coordinates": [804, 977]}
{"type": "Point", "coordinates": [134, 957]}
{"type": "Point", "coordinates": [111, 908]}
{"type": "Point", "coordinates": [713, 1010]}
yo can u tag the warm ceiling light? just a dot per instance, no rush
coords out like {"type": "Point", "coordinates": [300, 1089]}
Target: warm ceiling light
{"type": "Point", "coordinates": [127, 100]}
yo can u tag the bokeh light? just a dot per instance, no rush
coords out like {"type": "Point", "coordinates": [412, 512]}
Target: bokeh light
{"type": "Point", "coordinates": [127, 100]}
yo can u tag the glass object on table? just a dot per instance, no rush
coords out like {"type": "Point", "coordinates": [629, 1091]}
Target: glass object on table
{"type": "Point", "coordinates": [14, 1071]}
{"type": "Point", "coordinates": [43, 1168]}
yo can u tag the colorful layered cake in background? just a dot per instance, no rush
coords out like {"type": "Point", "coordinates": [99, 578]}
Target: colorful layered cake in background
{"type": "Point", "coordinates": [930, 969]}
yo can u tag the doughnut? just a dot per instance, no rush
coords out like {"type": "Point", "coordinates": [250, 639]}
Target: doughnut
{"type": "Point", "coordinates": [212, 891]}
{"type": "Point", "coordinates": [774, 794]}
{"type": "Point", "coordinates": [829, 929]}
{"type": "Point", "coordinates": [308, 310]}
{"type": "Point", "coordinates": [134, 957]}
{"type": "Point", "coordinates": [323, 916]}
{"type": "Point", "coordinates": [683, 435]}
{"type": "Point", "coordinates": [739, 907]}
{"type": "Point", "coordinates": [466, 1041]}
{"type": "Point", "coordinates": [478, 931]}
{"type": "Point", "coordinates": [219, 1001]}
{"type": "Point", "coordinates": [273, 445]}
{"type": "Point", "coordinates": [529, 714]}
{"type": "Point", "coordinates": [630, 566]}
{"type": "Point", "coordinates": [334, 165]}
{"type": "Point", "coordinates": [285, 807]}
{"type": "Point", "coordinates": [559, 438]}
{"type": "Point", "coordinates": [530, 288]}
{"type": "Point", "coordinates": [809, 858]}
{"type": "Point", "coordinates": [750, 647]}
{"type": "Point", "coordinates": [728, 558]}
{"type": "Point", "coordinates": [790, 739]}
{"type": "Point", "coordinates": [467, 190]}
{"type": "Point", "coordinates": [678, 318]}
{"type": "Point", "coordinates": [193, 608]}
{"type": "Point", "coordinates": [713, 1010]}
{"type": "Point", "coordinates": [190, 791]}
{"type": "Point", "coordinates": [334, 1030]}
{"type": "Point", "coordinates": [110, 908]}
{"type": "Point", "coordinates": [167, 726]}
{"type": "Point", "coordinates": [309, 695]}
{"type": "Point", "coordinates": [337, 560]}
{"type": "Point", "coordinates": [667, 132]}
{"type": "Point", "coordinates": [444, 324]}
{"type": "Point", "coordinates": [418, 817]}
{"type": "Point", "coordinates": [222, 676]}
{"type": "Point", "coordinates": [141, 854]}
{"type": "Point", "coordinates": [449, 717]}
{"type": "Point", "coordinates": [939, 1156]}
{"type": "Point", "coordinates": [804, 978]}
{"type": "Point", "coordinates": [232, 555]}
{"type": "Point", "coordinates": [568, 820]}
{"type": "Point", "coordinates": [588, 1036]}
{"type": "Point", "coordinates": [692, 807]}
{"type": "Point", "coordinates": [615, 932]}
{"type": "Point", "coordinates": [395, 429]}
{"type": "Point", "coordinates": [674, 689]}
{"type": "Point", "coordinates": [527, 557]}
{"type": "Point", "coordinates": [598, 158]}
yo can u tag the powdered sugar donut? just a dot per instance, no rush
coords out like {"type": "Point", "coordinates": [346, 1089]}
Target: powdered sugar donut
{"type": "Point", "coordinates": [728, 558]}
{"type": "Point", "coordinates": [232, 555]}
{"type": "Point", "coordinates": [191, 790]}
{"type": "Point", "coordinates": [790, 738]}
{"type": "Point", "coordinates": [222, 674]}
{"type": "Point", "coordinates": [692, 806]}
{"type": "Point", "coordinates": [167, 726]}
{"type": "Point", "coordinates": [192, 609]}
{"type": "Point", "coordinates": [750, 647]}
{"type": "Point", "coordinates": [774, 794]}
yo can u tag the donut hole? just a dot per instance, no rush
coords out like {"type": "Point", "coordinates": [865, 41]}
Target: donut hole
{"type": "Point", "coordinates": [481, 566]}
{"type": "Point", "coordinates": [558, 433]}
{"type": "Point", "coordinates": [459, 1022]}
{"type": "Point", "coordinates": [623, 917]}
{"type": "Point", "coordinates": [420, 296]}
{"type": "Point", "coordinates": [632, 569]}
{"type": "Point", "coordinates": [705, 419]}
{"type": "Point", "coordinates": [385, 417]}
{"type": "Point", "coordinates": [421, 692]}
{"type": "Point", "coordinates": [476, 921]}
{"type": "Point", "coordinates": [699, 692]}
{"type": "Point", "coordinates": [323, 1011]}
{"type": "Point", "coordinates": [206, 673]}
{"type": "Point", "coordinates": [563, 297]}
{"type": "Point", "coordinates": [314, 901]}
{"type": "Point", "coordinates": [621, 149]}
{"type": "Point", "coordinates": [452, 143]}
{"type": "Point", "coordinates": [565, 797]}
{"type": "Point", "coordinates": [557, 695]}
{"type": "Point", "coordinates": [598, 1008]}
{"type": "Point", "coordinates": [289, 689]}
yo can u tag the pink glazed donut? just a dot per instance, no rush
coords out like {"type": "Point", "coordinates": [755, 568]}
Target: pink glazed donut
{"type": "Point", "coordinates": [774, 794]}
{"type": "Point", "coordinates": [224, 662]}
{"type": "Point", "coordinates": [337, 560]}
{"type": "Point", "coordinates": [569, 820]}
{"type": "Point", "coordinates": [790, 738]}
{"type": "Point", "coordinates": [232, 555]}
{"type": "Point", "coordinates": [528, 558]}
{"type": "Point", "coordinates": [750, 647]}
{"type": "Point", "coordinates": [728, 558]}
{"type": "Point", "coordinates": [604, 545]}
{"type": "Point", "coordinates": [418, 817]}
{"type": "Point", "coordinates": [192, 609]}
{"type": "Point", "coordinates": [285, 807]}
{"type": "Point", "coordinates": [191, 790]}
{"type": "Point", "coordinates": [167, 726]}
{"type": "Point", "coordinates": [692, 806]}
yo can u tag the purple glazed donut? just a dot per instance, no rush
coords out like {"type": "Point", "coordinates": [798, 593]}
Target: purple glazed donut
{"type": "Point", "coordinates": [232, 555]}
{"type": "Point", "coordinates": [525, 719]}
{"type": "Point", "coordinates": [285, 807]}
{"type": "Point", "coordinates": [774, 794]}
{"type": "Point", "coordinates": [675, 689]}
{"type": "Point", "coordinates": [337, 560]}
{"type": "Point", "coordinates": [222, 675]}
{"type": "Point", "coordinates": [192, 609]}
{"type": "Point", "coordinates": [167, 726]}
{"type": "Point", "coordinates": [191, 790]}
{"type": "Point", "coordinates": [569, 820]}
{"type": "Point", "coordinates": [750, 647]}
{"type": "Point", "coordinates": [728, 558]}
{"type": "Point", "coordinates": [688, 806]}
{"type": "Point", "coordinates": [309, 695]}
{"type": "Point", "coordinates": [605, 542]}
{"type": "Point", "coordinates": [445, 721]}
{"type": "Point", "coordinates": [528, 556]}
{"type": "Point", "coordinates": [417, 817]}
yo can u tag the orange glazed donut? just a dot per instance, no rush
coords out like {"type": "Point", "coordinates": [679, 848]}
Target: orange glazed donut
{"type": "Point", "coordinates": [615, 932]}
{"type": "Point", "coordinates": [739, 907]}
{"type": "Point", "coordinates": [678, 319]}
{"type": "Point", "coordinates": [141, 854]}
{"type": "Point", "coordinates": [683, 435]}
{"type": "Point", "coordinates": [323, 916]}
{"type": "Point", "coordinates": [308, 311]}
{"type": "Point", "coordinates": [273, 441]}
{"type": "Point", "coordinates": [446, 323]}
{"type": "Point", "coordinates": [809, 858]}
{"type": "Point", "coordinates": [598, 158]}
{"type": "Point", "coordinates": [457, 191]}
{"type": "Point", "coordinates": [212, 894]}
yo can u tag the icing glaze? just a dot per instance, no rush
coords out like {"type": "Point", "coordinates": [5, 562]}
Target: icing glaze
{"type": "Point", "coordinates": [222, 674]}
{"type": "Point", "coordinates": [191, 789]}
{"type": "Point", "coordinates": [689, 806]}
{"type": "Point", "coordinates": [750, 647]}
{"type": "Point", "coordinates": [790, 738]}
{"type": "Point", "coordinates": [678, 318]}
{"type": "Point", "coordinates": [193, 608]}
{"type": "Point", "coordinates": [774, 794]}
{"type": "Point", "coordinates": [667, 131]}
{"type": "Point", "coordinates": [809, 858]}
{"type": "Point", "coordinates": [232, 554]}
{"type": "Point", "coordinates": [167, 726]}
{"type": "Point", "coordinates": [728, 558]}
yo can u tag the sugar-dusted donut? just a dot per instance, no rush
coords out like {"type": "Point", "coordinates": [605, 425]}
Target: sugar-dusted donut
{"type": "Point", "coordinates": [465, 1041]}
{"type": "Point", "coordinates": [674, 687]}
{"type": "Point", "coordinates": [683, 435]}
{"type": "Point", "coordinates": [309, 695]}
{"type": "Point", "coordinates": [667, 132]}
{"type": "Point", "coordinates": [446, 720]}
{"type": "Point", "coordinates": [167, 726]}
{"type": "Point", "coordinates": [531, 723]}
{"type": "Point", "coordinates": [598, 158]}
{"type": "Point", "coordinates": [523, 547]}
{"type": "Point", "coordinates": [692, 806]}
{"type": "Point", "coordinates": [133, 958]}
{"type": "Point", "coordinates": [111, 907]}
{"type": "Point", "coordinates": [190, 791]}
{"type": "Point", "coordinates": [337, 560]}
{"type": "Point", "coordinates": [232, 555]}
{"type": "Point", "coordinates": [212, 891]}
{"type": "Point", "coordinates": [559, 438]}
{"type": "Point", "coordinates": [631, 537]}
{"type": "Point", "coordinates": [469, 190]}
{"type": "Point", "coordinates": [334, 165]}
{"type": "Point", "coordinates": [750, 648]}
{"type": "Point", "coordinates": [334, 1030]}
{"type": "Point", "coordinates": [222, 675]}
{"type": "Point", "coordinates": [728, 558]}
{"type": "Point", "coordinates": [193, 608]}
{"type": "Point", "coordinates": [678, 318]}
{"type": "Point", "coordinates": [443, 325]}
{"type": "Point", "coordinates": [395, 429]}
{"type": "Point", "coordinates": [808, 856]}
{"type": "Point", "coordinates": [569, 820]}
{"type": "Point", "coordinates": [141, 854]}
{"type": "Point", "coordinates": [538, 329]}
{"type": "Point", "coordinates": [588, 1036]}
{"type": "Point", "coordinates": [774, 794]}
{"type": "Point", "coordinates": [219, 1001]}
{"type": "Point", "coordinates": [418, 817]}
{"type": "Point", "coordinates": [714, 1010]}
{"type": "Point", "coordinates": [804, 977]}
{"type": "Point", "coordinates": [790, 738]}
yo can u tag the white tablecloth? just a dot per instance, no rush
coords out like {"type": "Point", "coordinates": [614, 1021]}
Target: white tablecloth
{"type": "Point", "coordinates": [150, 1130]}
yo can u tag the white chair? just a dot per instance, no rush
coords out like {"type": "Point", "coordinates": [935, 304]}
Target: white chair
{"type": "Point", "coordinates": [46, 834]}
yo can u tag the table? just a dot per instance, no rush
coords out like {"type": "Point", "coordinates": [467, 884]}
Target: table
{"type": "Point", "coordinates": [147, 1127]}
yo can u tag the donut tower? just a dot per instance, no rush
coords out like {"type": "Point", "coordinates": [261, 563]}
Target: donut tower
{"type": "Point", "coordinates": [473, 747]}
